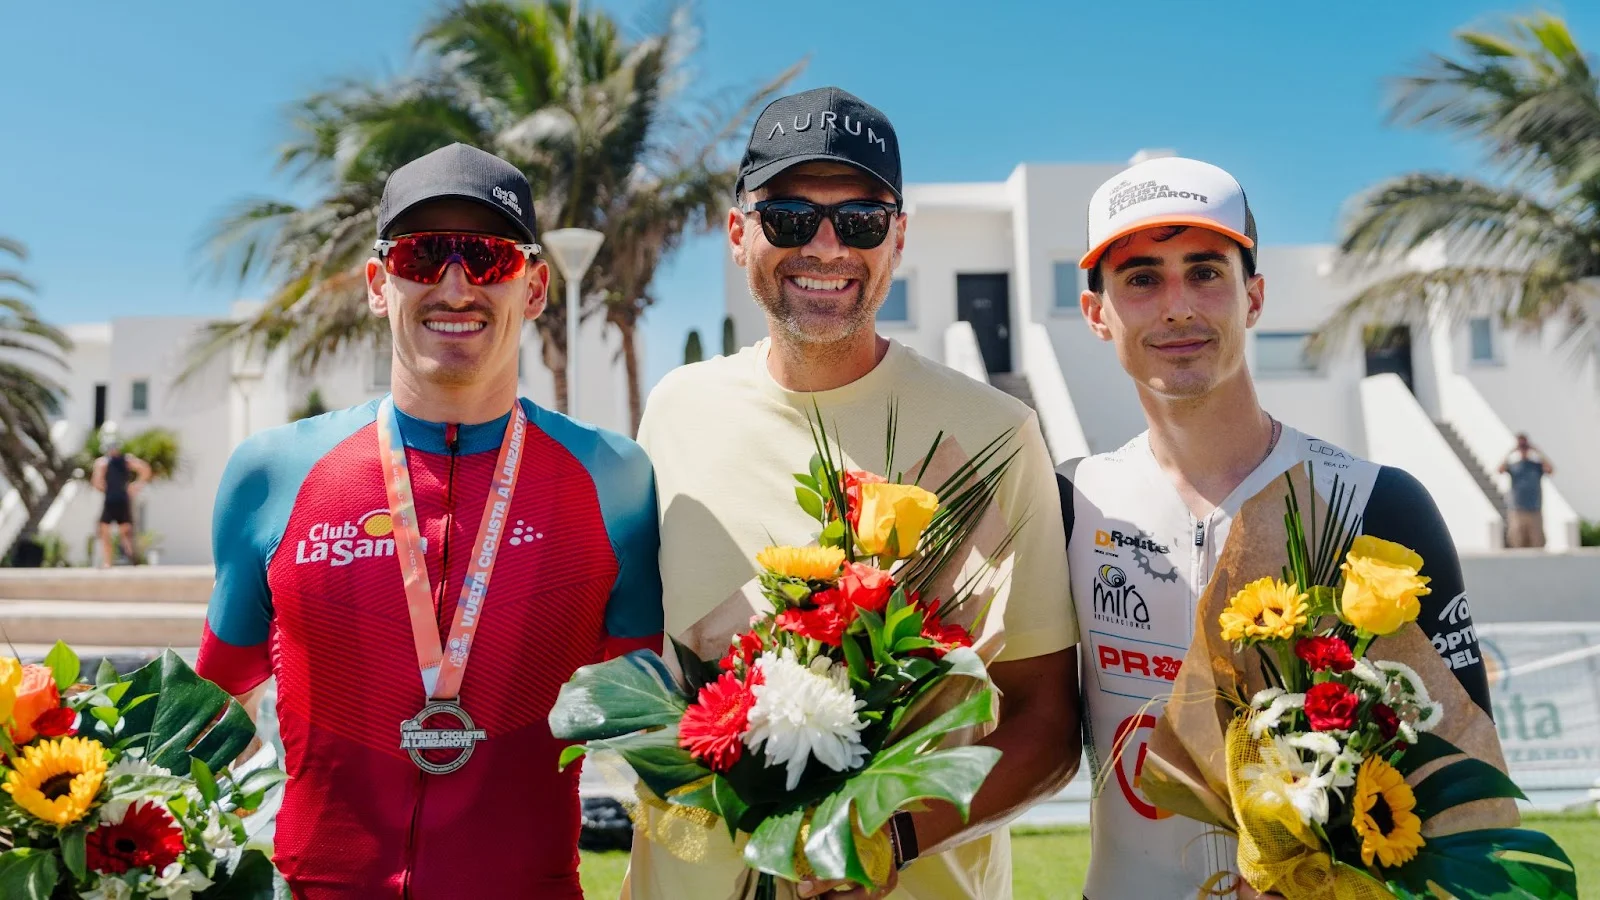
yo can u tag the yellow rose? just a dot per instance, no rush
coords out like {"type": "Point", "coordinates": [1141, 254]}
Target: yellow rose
{"type": "Point", "coordinates": [10, 680]}
{"type": "Point", "coordinates": [893, 517]}
{"type": "Point", "coordinates": [1265, 609]}
{"type": "Point", "coordinates": [1381, 586]}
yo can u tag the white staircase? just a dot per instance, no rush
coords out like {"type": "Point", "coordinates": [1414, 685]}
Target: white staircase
{"type": "Point", "coordinates": [126, 614]}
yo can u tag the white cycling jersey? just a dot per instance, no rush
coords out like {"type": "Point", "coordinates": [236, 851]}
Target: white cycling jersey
{"type": "Point", "coordinates": [1140, 563]}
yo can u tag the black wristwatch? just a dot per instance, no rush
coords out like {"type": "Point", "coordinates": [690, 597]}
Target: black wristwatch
{"type": "Point", "coordinates": [903, 835]}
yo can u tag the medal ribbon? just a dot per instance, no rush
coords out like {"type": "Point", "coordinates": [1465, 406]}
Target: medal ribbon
{"type": "Point", "coordinates": [441, 673]}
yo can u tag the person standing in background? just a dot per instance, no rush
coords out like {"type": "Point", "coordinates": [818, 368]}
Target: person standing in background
{"type": "Point", "coordinates": [111, 477]}
{"type": "Point", "coordinates": [1527, 467]}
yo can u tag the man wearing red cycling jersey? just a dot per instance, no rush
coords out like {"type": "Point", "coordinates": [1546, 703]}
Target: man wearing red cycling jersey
{"type": "Point", "coordinates": [354, 557]}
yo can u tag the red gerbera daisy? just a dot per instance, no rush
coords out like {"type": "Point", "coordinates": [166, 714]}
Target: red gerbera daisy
{"type": "Point", "coordinates": [713, 726]}
{"type": "Point", "coordinates": [145, 838]}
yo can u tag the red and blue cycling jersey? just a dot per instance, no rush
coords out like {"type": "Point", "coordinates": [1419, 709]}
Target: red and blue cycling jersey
{"type": "Point", "coordinates": [309, 590]}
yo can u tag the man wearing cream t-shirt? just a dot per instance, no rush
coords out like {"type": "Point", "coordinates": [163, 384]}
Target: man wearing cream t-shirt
{"type": "Point", "coordinates": [818, 228]}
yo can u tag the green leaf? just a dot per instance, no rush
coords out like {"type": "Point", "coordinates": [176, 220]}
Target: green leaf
{"type": "Point", "coordinates": [131, 704]}
{"type": "Point", "coordinates": [28, 874]}
{"type": "Point", "coordinates": [189, 718]}
{"type": "Point", "coordinates": [1462, 782]}
{"type": "Point", "coordinates": [655, 755]}
{"type": "Point", "coordinates": [856, 660]}
{"type": "Point", "coordinates": [717, 796]}
{"type": "Point", "coordinates": [818, 471]}
{"type": "Point", "coordinates": [106, 674]}
{"type": "Point", "coordinates": [204, 780]}
{"type": "Point", "coordinates": [115, 692]}
{"type": "Point", "coordinates": [568, 755]}
{"type": "Point", "coordinates": [1466, 878]}
{"type": "Point", "coordinates": [1429, 747]}
{"type": "Point", "coordinates": [771, 848]}
{"type": "Point", "coordinates": [810, 501]}
{"type": "Point", "coordinates": [831, 845]}
{"type": "Point", "coordinates": [875, 633]}
{"type": "Point", "coordinates": [106, 714]}
{"type": "Point", "coordinates": [907, 644]}
{"type": "Point", "coordinates": [1323, 602]}
{"type": "Point", "coordinates": [64, 664]}
{"type": "Point", "coordinates": [832, 533]}
{"type": "Point", "coordinates": [617, 697]}
{"type": "Point", "coordinates": [75, 852]}
{"type": "Point", "coordinates": [1537, 876]}
{"type": "Point", "coordinates": [697, 673]}
{"type": "Point", "coordinates": [808, 482]}
{"type": "Point", "coordinates": [965, 661]}
{"type": "Point", "coordinates": [251, 879]}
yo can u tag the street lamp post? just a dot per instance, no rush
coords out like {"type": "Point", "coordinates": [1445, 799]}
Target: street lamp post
{"type": "Point", "coordinates": [572, 249]}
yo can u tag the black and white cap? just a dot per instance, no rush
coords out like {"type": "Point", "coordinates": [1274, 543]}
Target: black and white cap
{"type": "Point", "coordinates": [823, 125]}
{"type": "Point", "coordinates": [1169, 190]}
{"type": "Point", "coordinates": [464, 172]}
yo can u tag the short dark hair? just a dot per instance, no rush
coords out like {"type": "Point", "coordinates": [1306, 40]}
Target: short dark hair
{"type": "Point", "coordinates": [1097, 279]}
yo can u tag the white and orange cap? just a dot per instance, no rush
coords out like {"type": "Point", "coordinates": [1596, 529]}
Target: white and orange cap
{"type": "Point", "coordinates": [1169, 190]}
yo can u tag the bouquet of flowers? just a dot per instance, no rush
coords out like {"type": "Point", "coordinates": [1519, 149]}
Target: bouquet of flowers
{"type": "Point", "coordinates": [826, 714]}
{"type": "Point", "coordinates": [119, 790]}
{"type": "Point", "coordinates": [1333, 772]}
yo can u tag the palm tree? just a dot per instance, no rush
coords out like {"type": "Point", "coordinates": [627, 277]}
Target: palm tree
{"type": "Point", "coordinates": [591, 118]}
{"type": "Point", "coordinates": [1524, 247]}
{"type": "Point", "coordinates": [28, 396]}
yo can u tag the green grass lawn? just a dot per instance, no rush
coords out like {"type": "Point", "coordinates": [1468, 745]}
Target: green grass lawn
{"type": "Point", "coordinates": [1051, 863]}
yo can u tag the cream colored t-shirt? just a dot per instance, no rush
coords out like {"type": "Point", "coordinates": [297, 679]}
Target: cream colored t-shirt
{"type": "Point", "coordinates": [725, 440]}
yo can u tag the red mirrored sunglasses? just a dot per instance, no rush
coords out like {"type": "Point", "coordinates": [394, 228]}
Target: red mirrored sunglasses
{"type": "Point", "coordinates": [486, 258]}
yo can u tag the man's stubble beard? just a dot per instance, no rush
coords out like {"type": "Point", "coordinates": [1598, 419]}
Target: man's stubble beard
{"type": "Point", "coordinates": [790, 319]}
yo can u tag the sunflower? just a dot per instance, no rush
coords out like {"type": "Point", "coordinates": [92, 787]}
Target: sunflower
{"type": "Point", "coordinates": [56, 781]}
{"type": "Point", "coordinates": [1265, 608]}
{"type": "Point", "coordinates": [1384, 815]}
{"type": "Point", "coordinates": [804, 563]}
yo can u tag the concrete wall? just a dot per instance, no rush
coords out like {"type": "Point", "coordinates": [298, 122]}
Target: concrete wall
{"type": "Point", "coordinates": [1533, 586]}
{"type": "Point", "coordinates": [1325, 402]}
{"type": "Point", "coordinates": [1051, 227]}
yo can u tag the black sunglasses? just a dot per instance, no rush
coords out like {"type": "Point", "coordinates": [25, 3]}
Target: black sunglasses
{"type": "Point", "coordinates": [862, 224]}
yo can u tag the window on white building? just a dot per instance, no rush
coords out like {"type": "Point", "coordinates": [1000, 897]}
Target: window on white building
{"type": "Point", "coordinates": [1284, 353]}
{"type": "Point", "coordinates": [897, 306]}
{"type": "Point", "coordinates": [1070, 282]}
{"type": "Point", "coordinates": [139, 398]}
{"type": "Point", "coordinates": [1482, 332]}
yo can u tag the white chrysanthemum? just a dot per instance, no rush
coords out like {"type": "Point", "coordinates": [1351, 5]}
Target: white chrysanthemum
{"type": "Point", "coordinates": [1369, 674]}
{"type": "Point", "coordinates": [1342, 773]}
{"type": "Point", "coordinates": [1325, 746]}
{"type": "Point", "coordinates": [802, 713]}
{"type": "Point", "coordinates": [1267, 720]}
{"type": "Point", "coordinates": [110, 887]}
{"type": "Point", "coordinates": [178, 883]}
{"type": "Point", "coordinates": [1265, 696]}
{"type": "Point", "coordinates": [1398, 671]}
{"type": "Point", "coordinates": [1283, 776]}
{"type": "Point", "coordinates": [132, 765]}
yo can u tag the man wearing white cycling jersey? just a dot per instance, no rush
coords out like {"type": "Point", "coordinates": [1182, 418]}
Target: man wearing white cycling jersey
{"type": "Point", "coordinates": [1173, 286]}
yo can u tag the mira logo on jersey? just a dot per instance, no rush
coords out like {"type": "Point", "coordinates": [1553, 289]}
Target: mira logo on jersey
{"type": "Point", "coordinates": [1118, 601]}
{"type": "Point", "coordinates": [342, 543]}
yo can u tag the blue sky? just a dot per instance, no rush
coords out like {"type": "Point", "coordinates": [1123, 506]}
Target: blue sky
{"type": "Point", "coordinates": [125, 132]}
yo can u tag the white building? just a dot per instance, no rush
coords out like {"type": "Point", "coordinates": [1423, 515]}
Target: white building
{"type": "Point", "coordinates": [989, 284]}
{"type": "Point", "coordinates": [125, 371]}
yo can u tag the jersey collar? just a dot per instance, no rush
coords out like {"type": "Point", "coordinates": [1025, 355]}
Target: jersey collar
{"type": "Point", "coordinates": [430, 437]}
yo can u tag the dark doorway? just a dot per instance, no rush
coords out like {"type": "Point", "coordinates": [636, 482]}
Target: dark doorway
{"type": "Point", "coordinates": [1389, 350]}
{"type": "Point", "coordinates": [984, 301]}
{"type": "Point", "coordinates": [99, 406]}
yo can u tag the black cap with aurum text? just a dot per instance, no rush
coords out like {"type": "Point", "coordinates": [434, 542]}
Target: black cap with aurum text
{"type": "Point", "coordinates": [823, 125]}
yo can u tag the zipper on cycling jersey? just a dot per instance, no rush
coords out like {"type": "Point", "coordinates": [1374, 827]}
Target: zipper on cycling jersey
{"type": "Point", "coordinates": [452, 437]}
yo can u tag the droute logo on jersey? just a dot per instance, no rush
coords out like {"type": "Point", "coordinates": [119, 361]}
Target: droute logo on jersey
{"type": "Point", "coordinates": [1117, 600]}
{"type": "Point", "coordinates": [342, 543]}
